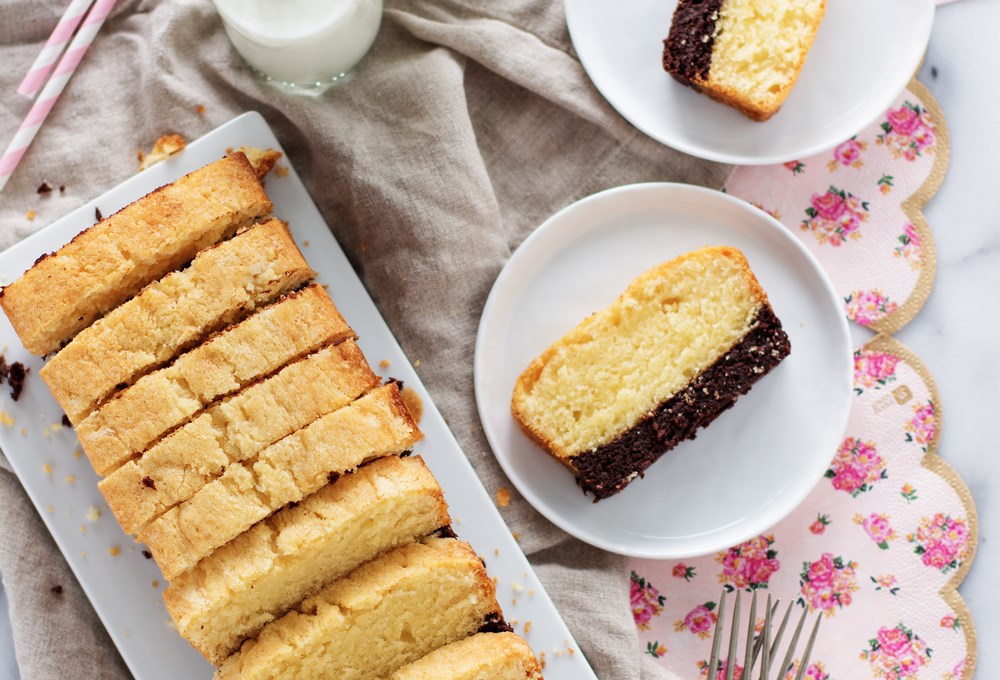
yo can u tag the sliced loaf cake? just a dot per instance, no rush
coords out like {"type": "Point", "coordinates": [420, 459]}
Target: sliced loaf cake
{"type": "Point", "coordinates": [264, 572]}
{"type": "Point", "coordinates": [105, 265]}
{"type": "Point", "coordinates": [384, 615]}
{"type": "Point", "coordinates": [483, 656]}
{"type": "Point", "coordinates": [223, 284]}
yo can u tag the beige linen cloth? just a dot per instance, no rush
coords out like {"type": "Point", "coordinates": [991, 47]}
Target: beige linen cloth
{"type": "Point", "coordinates": [466, 126]}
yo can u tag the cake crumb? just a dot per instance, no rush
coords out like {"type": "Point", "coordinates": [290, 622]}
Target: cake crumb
{"type": "Point", "coordinates": [56, 590]}
{"type": "Point", "coordinates": [44, 188]}
{"type": "Point", "coordinates": [414, 403]}
{"type": "Point", "coordinates": [281, 171]}
{"type": "Point", "coordinates": [516, 587]}
{"type": "Point", "coordinates": [496, 552]}
{"type": "Point", "coordinates": [305, 244]}
{"type": "Point", "coordinates": [541, 660]}
{"type": "Point", "coordinates": [513, 602]}
{"type": "Point", "coordinates": [31, 214]}
{"type": "Point", "coordinates": [527, 627]}
{"type": "Point", "coordinates": [200, 109]}
{"type": "Point", "coordinates": [503, 497]}
{"type": "Point", "coordinates": [83, 528]}
{"type": "Point", "coordinates": [5, 419]}
{"type": "Point", "coordinates": [531, 592]}
{"type": "Point", "coordinates": [385, 363]}
{"type": "Point", "coordinates": [64, 421]}
{"type": "Point", "coordinates": [47, 469]}
{"type": "Point", "coordinates": [115, 550]}
{"type": "Point", "coordinates": [83, 554]}
{"type": "Point", "coordinates": [362, 247]}
{"type": "Point", "coordinates": [156, 583]}
{"type": "Point", "coordinates": [416, 364]}
{"type": "Point", "coordinates": [62, 188]}
{"type": "Point", "coordinates": [516, 535]}
{"type": "Point", "coordinates": [24, 431]}
{"type": "Point", "coordinates": [93, 513]}
{"type": "Point", "coordinates": [49, 509]}
{"type": "Point", "coordinates": [148, 555]}
{"type": "Point", "coordinates": [77, 453]}
{"type": "Point", "coordinates": [71, 480]}
{"type": "Point", "coordinates": [163, 148]}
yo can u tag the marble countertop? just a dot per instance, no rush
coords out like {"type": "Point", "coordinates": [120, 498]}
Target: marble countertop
{"type": "Point", "coordinates": [953, 335]}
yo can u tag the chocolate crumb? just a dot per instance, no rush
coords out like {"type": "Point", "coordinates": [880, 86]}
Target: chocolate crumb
{"type": "Point", "coordinates": [446, 532]}
{"type": "Point", "coordinates": [149, 483]}
{"type": "Point", "coordinates": [406, 454]}
{"type": "Point", "coordinates": [57, 590]}
{"type": "Point", "coordinates": [494, 623]}
{"type": "Point", "coordinates": [333, 477]}
{"type": "Point", "coordinates": [65, 421]}
{"type": "Point", "coordinates": [14, 374]}
{"type": "Point", "coordinates": [148, 555]}
{"type": "Point", "coordinates": [44, 188]}
{"type": "Point", "coordinates": [97, 214]}
{"type": "Point", "coordinates": [62, 188]}
{"type": "Point", "coordinates": [934, 71]}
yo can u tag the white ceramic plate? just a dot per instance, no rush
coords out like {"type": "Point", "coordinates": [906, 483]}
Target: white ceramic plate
{"type": "Point", "coordinates": [864, 55]}
{"type": "Point", "coordinates": [126, 590]}
{"type": "Point", "coordinates": [753, 465]}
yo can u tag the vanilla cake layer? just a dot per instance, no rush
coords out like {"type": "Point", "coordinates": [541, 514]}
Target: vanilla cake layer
{"type": "Point", "coordinates": [264, 342]}
{"type": "Point", "coordinates": [375, 425]}
{"type": "Point", "coordinates": [234, 430]}
{"type": "Point", "coordinates": [110, 262]}
{"type": "Point", "coordinates": [264, 572]}
{"type": "Point", "coordinates": [683, 341]}
{"type": "Point", "coordinates": [483, 656]}
{"type": "Point", "coordinates": [222, 285]}
{"type": "Point", "coordinates": [387, 613]}
{"type": "Point", "coordinates": [744, 53]}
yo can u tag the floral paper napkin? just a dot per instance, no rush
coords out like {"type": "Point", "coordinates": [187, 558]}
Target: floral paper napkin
{"type": "Point", "coordinates": [880, 546]}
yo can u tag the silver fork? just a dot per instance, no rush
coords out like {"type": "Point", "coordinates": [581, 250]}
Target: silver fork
{"type": "Point", "coordinates": [760, 646]}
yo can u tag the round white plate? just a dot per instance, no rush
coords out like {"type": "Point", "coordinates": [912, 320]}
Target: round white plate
{"type": "Point", "coordinates": [753, 465]}
{"type": "Point", "coordinates": [864, 55]}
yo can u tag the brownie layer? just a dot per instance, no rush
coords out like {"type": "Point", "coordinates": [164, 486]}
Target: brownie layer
{"type": "Point", "coordinates": [610, 467]}
{"type": "Point", "coordinates": [687, 51]}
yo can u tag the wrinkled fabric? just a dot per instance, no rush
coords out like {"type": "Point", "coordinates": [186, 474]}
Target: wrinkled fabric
{"type": "Point", "coordinates": [465, 127]}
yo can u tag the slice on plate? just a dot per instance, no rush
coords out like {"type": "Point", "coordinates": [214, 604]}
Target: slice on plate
{"type": "Point", "coordinates": [678, 347]}
{"type": "Point", "coordinates": [744, 53]}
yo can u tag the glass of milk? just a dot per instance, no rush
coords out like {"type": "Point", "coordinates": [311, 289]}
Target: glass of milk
{"type": "Point", "coordinates": [302, 44]}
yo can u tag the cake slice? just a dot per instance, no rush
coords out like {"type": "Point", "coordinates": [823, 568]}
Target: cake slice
{"type": "Point", "coordinates": [387, 613]}
{"type": "Point", "coordinates": [223, 284]}
{"type": "Point", "coordinates": [744, 53]}
{"type": "Point", "coordinates": [234, 430]}
{"type": "Point", "coordinates": [126, 425]}
{"type": "Point", "coordinates": [679, 346]}
{"type": "Point", "coordinates": [265, 571]}
{"type": "Point", "coordinates": [107, 264]}
{"type": "Point", "coordinates": [302, 463]}
{"type": "Point", "coordinates": [484, 656]}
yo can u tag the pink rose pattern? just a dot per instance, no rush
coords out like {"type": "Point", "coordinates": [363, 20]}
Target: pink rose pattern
{"type": "Point", "coordinates": [848, 154]}
{"type": "Point", "coordinates": [749, 565]}
{"type": "Point", "coordinates": [700, 620]}
{"type": "Point", "coordinates": [873, 370]}
{"type": "Point", "coordinates": [896, 653]}
{"type": "Point", "coordinates": [876, 525]}
{"type": "Point", "coordinates": [922, 427]}
{"type": "Point", "coordinates": [827, 584]}
{"type": "Point", "coordinates": [868, 306]}
{"type": "Point", "coordinates": [646, 601]}
{"type": "Point", "coordinates": [908, 132]}
{"type": "Point", "coordinates": [856, 467]}
{"type": "Point", "coordinates": [814, 671]}
{"type": "Point", "coordinates": [835, 217]}
{"type": "Point", "coordinates": [941, 541]}
{"type": "Point", "coordinates": [720, 670]}
{"type": "Point", "coordinates": [909, 246]}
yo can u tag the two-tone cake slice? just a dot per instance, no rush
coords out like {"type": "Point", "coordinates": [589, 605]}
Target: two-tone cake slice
{"type": "Point", "coordinates": [384, 615]}
{"type": "Point", "coordinates": [126, 425]}
{"type": "Point", "coordinates": [107, 264]}
{"type": "Point", "coordinates": [679, 346]}
{"type": "Point", "coordinates": [744, 53]}
{"type": "Point", "coordinates": [264, 572]}
{"type": "Point", "coordinates": [236, 429]}
{"type": "Point", "coordinates": [302, 463]}
{"type": "Point", "coordinates": [484, 656]}
{"type": "Point", "coordinates": [223, 284]}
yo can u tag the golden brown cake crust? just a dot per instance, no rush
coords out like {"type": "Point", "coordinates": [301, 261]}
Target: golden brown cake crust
{"type": "Point", "coordinates": [105, 265]}
{"type": "Point", "coordinates": [483, 656]}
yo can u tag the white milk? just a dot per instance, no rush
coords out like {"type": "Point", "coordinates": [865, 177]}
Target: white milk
{"type": "Point", "coordinates": [302, 42]}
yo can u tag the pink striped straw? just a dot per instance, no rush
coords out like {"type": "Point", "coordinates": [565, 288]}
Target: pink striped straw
{"type": "Point", "coordinates": [50, 93]}
{"type": "Point", "coordinates": [61, 35]}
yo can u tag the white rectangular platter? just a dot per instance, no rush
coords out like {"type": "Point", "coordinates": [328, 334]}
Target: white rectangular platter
{"type": "Point", "coordinates": [125, 587]}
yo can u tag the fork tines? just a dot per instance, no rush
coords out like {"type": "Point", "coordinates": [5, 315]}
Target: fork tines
{"type": "Point", "coordinates": [761, 645]}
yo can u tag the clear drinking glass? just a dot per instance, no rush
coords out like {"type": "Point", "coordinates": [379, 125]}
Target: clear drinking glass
{"type": "Point", "coordinates": [304, 45]}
